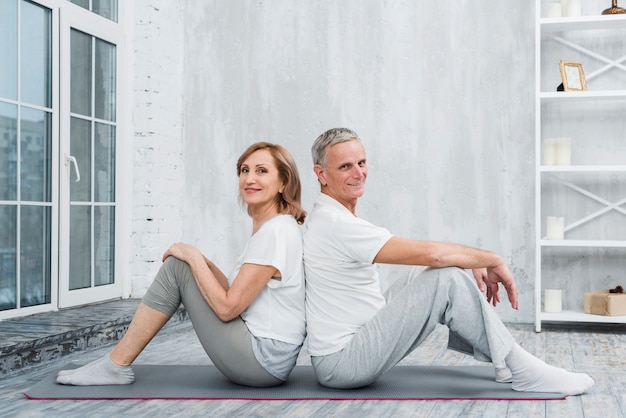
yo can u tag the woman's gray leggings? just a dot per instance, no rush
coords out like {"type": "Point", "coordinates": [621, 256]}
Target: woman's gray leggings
{"type": "Point", "coordinates": [435, 296]}
{"type": "Point", "coordinates": [228, 344]}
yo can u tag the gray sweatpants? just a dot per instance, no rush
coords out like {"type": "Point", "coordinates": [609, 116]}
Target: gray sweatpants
{"type": "Point", "coordinates": [435, 296]}
{"type": "Point", "coordinates": [228, 344]}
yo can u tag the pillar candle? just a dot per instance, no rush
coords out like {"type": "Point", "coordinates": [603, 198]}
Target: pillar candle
{"type": "Point", "coordinates": [563, 151]}
{"type": "Point", "coordinates": [553, 300]}
{"type": "Point", "coordinates": [551, 10]}
{"type": "Point", "coordinates": [549, 151]}
{"type": "Point", "coordinates": [555, 227]}
{"type": "Point", "coordinates": [574, 8]}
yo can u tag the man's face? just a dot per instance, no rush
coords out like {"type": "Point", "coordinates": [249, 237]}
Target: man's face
{"type": "Point", "coordinates": [344, 176]}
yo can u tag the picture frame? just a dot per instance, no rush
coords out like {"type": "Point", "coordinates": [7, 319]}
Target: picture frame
{"type": "Point", "coordinates": [573, 76]}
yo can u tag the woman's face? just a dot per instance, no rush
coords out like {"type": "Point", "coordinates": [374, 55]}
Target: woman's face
{"type": "Point", "coordinates": [259, 180]}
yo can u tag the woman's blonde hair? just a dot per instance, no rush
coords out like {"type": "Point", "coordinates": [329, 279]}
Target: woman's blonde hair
{"type": "Point", "coordinates": [287, 202]}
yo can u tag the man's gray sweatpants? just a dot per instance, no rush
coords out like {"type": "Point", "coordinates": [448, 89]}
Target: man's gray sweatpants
{"type": "Point", "coordinates": [447, 296]}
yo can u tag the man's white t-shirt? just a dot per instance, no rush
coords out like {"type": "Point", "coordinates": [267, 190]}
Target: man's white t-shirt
{"type": "Point", "coordinates": [342, 284]}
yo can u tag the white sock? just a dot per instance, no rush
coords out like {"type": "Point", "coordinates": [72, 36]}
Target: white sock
{"type": "Point", "coordinates": [99, 372]}
{"type": "Point", "coordinates": [503, 375]}
{"type": "Point", "coordinates": [531, 374]}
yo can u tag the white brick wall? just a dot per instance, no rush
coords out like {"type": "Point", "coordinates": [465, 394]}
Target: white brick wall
{"type": "Point", "coordinates": [156, 52]}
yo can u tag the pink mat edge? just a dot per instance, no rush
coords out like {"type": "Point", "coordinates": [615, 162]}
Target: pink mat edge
{"type": "Point", "coordinates": [295, 399]}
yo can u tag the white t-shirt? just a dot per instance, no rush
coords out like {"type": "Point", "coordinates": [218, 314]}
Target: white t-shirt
{"type": "Point", "coordinates": [342, 284]}
{"type": "Point", "coordinates": [278, 311]}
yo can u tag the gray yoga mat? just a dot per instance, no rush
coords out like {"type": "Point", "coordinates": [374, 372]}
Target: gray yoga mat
{"type": "Point", "coordinates": [206, 382]}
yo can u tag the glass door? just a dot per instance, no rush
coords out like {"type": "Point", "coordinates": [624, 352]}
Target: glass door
{"type": "Point", "coordinates": [59, 160]}
{"type": "Point", "coordinates": [88, 120]}
{"type": "Point", "coordinates": [28, 157]}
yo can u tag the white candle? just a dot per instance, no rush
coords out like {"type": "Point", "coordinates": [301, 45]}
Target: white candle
{"type": "Point", "coordinates": [563, 7]}
{"type": "Point", "coordinates": [553, 300]}
{"type": "Point", "coordinates": [551, 10]}
{"type": "Point", "coordinates": [555, 227]}
{"type": "Point", "coordinates": [563, 151]}
{"type": "Point", "coordinates": [549, 151]}
{"type": "Point", "coordinates": [574, 8]}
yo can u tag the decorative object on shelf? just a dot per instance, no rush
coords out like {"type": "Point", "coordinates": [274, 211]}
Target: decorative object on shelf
{"type": "Point", "coordinates": [618, 289]}
{"type": "Point", "coordinates": [552, 300]}
{"type": "Point", "coordinates": [555, 227]}
{"type": "Point", "coordinates": [571, 8]}
{"type": "Point", "coordinates": [573, 76]}
{"type": "Point", "coordinates": [557, 151]}
{"type": "Point", "coordinates": [614, 10]}
{"type": "Point", "coordinates": [551, 10]}
{"type": "Point", "coordinates": [604, 302]}
{"type": "Point", "coordinates": [549, 151]}
{"type": "Point", "coordinates": [563, 151]}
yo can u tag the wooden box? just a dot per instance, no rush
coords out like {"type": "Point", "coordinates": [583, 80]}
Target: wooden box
{"type": "Point", "coordinates": [602, 302]}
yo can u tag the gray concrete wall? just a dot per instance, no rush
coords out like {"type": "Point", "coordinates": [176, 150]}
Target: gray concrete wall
{"type": "Point", "coordinates": [441, 94]}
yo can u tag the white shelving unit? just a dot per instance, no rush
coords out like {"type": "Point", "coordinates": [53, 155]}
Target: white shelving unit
{"type": "Point", "coordinates": [555, 33]}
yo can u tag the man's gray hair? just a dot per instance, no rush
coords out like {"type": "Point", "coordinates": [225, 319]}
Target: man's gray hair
{"type": "Point", "coordinates": [330, 137]}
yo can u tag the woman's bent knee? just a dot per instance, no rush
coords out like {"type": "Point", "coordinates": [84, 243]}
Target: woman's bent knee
{"type": "Point", "coordinates": [164, 294]}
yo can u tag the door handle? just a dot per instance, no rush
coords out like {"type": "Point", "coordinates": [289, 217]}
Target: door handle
{"type": "Point", "coordinates": [71, 159]}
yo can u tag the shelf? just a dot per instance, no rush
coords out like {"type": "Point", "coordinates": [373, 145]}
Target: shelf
{"type": "Point", "coordinates": [599, 39]}
{"type": "Point", "coordinates": [565, 24]}
{"type": "Point", "coordinates": [556, 96]}
{"type": "Point", "coordinates": [582, 168]}
{"type": "Point", "coordinates": [575, 316]}
{"type": "Point", "coordinates": [582, 243]}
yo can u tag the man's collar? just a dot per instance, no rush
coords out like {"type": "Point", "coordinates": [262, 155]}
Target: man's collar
{"type": "Point", "coordinates": [326, 200]}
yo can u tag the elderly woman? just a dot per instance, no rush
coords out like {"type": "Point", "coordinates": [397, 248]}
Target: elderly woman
{"type": "Point", "coordinates": [252, 323]}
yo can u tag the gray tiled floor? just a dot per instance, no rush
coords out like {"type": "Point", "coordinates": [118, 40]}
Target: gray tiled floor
{"type": "Point", "coordinates": [599, 351]}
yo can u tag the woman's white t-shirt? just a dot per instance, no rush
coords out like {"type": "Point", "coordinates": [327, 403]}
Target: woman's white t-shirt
{"type": "Point", "coordinates": [276, 318]}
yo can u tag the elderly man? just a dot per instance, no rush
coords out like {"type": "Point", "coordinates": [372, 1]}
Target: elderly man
{"type": "Point", "coordinates": [355, 335]}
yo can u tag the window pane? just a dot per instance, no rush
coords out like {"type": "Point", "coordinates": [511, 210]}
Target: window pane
{"type": "Point", "coordinates": [35, 255]}
{"type": "Point", "coordinates": [105, 163]}
{"type": "Point", "coordinates": [80, 89]}
{"type": "Point", "coordinates": [36, 156]}
{"type": "Point", "coordinates": [80, 148]}
{"type": "Point", "coordinates": [104, 242]}
{"type": "Point", "coordinates": [8, 152]}
{"type": "Point", "coordinates": [36, 61]}
{"type": "Point", "coordinates": [8, 259]}
{"type": "Point", "coordinates": [82, 3]}
{"type": "Point", "coordinates": [8, 49]}
{"type": "Point", "coordinates": [80, 247]}
{"type": "Point", "coordinates": [106, 8]}
{"type": "Point", "coordinates": [105, 80]}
